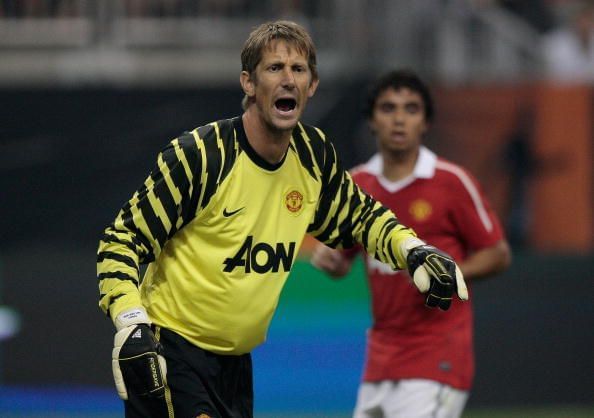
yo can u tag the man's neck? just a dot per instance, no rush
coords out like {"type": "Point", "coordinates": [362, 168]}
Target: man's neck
{"type": "Point", "coordinates": [399, 165]}
{"type": "Point", "coordinates": [269, 144]}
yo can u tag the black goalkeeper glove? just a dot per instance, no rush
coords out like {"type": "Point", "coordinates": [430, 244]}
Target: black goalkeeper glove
{"type": "Point", "coordinates": [138, 367]}
{"type": "Point", "coordinates": [435, 273]}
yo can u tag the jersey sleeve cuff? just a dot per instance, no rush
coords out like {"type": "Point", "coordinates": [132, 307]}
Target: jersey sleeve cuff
{"type": "Point", "coordinates": [404, 248]}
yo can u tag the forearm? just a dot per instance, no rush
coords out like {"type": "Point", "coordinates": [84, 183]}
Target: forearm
{"type": "Point", "coordinates": [392, 241]}
{"type": "Point", "coordinates": [487, 262]}
{"type": "Point", "coordinates": [383, 237]}
{"type": "Point", "coordinates": [118, 272]}
{"type": "Point", "coordinates": [335, 263]}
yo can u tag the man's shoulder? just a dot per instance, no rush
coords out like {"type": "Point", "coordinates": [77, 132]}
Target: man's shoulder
{"type": "Point", "coordinates": [219, 128]}
{"type": "Point", "coordinates": [212, 131]}
{"type": "Point", "coordinates": [310, 144]}
{"type": "Point", "coordinates": [361, 172]}
{"type": "Point", "coordinates": [443, 166]}
{"type": "Point", "coordinates": [371, 168]}
{"type": "Point", "coordinates": [454, 175]}
{"type": "Point", "coordinates": [308, 133]}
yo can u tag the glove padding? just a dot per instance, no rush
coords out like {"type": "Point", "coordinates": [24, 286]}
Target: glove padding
{"type": "Point", "coordinates": [138, 367]}
{"type": "Point", "coordinates": [436, 274]}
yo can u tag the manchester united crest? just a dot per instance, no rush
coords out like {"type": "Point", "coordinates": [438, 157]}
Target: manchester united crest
{"type": "Point", "coordinates": [420, 210]}
{"type": "Point", "coordinates": [294, 201]}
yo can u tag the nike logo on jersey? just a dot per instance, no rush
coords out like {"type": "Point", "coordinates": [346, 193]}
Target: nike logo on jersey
{"type": "Point", "coordinates": [228, 214]}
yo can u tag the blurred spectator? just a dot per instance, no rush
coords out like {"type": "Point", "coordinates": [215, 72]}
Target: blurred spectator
{"type": "Point", "coordinates": [136, 8]}
{"type": "Point", "coordinates": [569, 50]}
{"type": "Point", "coordinates": [9, 8]}
{"type": "Point", "coordinates": [287, 9]}
{"type": "Point", "coordinates": [153, 8]}
{"type": "Point", "coordinates": [537, 13]}
{"type": "Point", "coordinates": [186, 8]}
{"type": "Point", "coordinates": [227, 8]}
{"type": "Point", "coordinates": [291, 10]}
{"type": "Point", "coordinates": [39, 8]}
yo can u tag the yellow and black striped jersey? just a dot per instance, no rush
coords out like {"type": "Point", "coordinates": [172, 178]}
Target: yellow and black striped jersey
{"type": "Point", "coordinates": [220, 228]}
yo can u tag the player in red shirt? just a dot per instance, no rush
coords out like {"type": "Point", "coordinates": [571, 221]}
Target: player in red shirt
{"type": "Point", "coordinates": [420, 361]}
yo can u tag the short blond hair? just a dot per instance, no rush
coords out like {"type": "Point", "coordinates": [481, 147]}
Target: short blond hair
{"type": "Point", "coordinates": [263, 35]}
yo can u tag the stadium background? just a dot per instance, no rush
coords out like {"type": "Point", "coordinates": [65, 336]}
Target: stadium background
{"type": "Point", "coordinates": [90, 93]}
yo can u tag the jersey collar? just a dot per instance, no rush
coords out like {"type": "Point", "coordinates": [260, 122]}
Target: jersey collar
{"type": "Point", "coordinates": [251, 152]}
{"type": "Point", "coordinates": [424, 169]}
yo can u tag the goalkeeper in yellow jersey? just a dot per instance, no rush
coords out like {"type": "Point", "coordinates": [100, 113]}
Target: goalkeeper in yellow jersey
{"type": "Point", "coordinates": [219, 222]}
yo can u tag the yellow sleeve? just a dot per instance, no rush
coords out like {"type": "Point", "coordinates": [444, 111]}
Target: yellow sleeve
{"type": "Point", "coordinates": [165, 202]}
{"type": "Point", "coordinates": [346, 215]}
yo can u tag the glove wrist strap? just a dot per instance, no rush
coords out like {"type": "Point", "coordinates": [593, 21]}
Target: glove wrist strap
{"type": "Point", "coordinates": [131, 317]}
{"type": "Point", "coordinates": [408, 244]}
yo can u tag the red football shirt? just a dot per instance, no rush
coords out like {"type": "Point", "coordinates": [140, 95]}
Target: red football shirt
{"type": "Point", "coordinates": [444, 204]}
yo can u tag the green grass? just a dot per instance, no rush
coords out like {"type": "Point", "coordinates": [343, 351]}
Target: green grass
{"type": "Point", "coordinates": [534, 412]}
{"type": "Point", "coordinates": [520, 412]}
{"type": "Point", "coordinates": [525, 412]}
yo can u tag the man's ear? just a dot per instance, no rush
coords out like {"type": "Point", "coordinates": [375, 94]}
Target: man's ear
{"type": "Point", "coordinates": [247, 84]}
{"type": "Point", "coordinates": [312, 87]}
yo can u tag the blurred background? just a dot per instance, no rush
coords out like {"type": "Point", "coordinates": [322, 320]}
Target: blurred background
{"type": "Point", "coordinates": [91, 90]}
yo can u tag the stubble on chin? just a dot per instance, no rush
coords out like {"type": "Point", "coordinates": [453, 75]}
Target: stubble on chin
{"type": "Point", "coordinates": [278, 131]}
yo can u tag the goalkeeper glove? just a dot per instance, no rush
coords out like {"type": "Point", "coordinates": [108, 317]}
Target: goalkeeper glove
{"type": "Point", "coordinates": [137, 363]}
{"type": "Point", "coordinates": [435, 273]}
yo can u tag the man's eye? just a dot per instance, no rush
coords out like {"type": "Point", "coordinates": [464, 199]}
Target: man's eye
{"type": "Point", "coordinates": [413, 108]}
{"type": "Point", "coordinates": [274, 67]}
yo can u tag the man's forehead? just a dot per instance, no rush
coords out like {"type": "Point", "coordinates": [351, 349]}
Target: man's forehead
{"type": "Point", "coordinates": [281, 47]}
{"type": "Point", "coordinates": [403, 91]}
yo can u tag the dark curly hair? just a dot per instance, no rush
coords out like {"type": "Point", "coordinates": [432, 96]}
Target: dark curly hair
{"type": "Point", "coordinates": [398, 79]}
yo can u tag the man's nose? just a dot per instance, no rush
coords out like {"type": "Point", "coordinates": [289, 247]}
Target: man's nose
{"type": "Point", "coordinates": [288, 78]}
{"type": "Point", "coordinates": [398, 116]}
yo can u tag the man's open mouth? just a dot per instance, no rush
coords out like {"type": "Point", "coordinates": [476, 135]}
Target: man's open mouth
{"type": "Point", "coordinates": [285, 105]}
